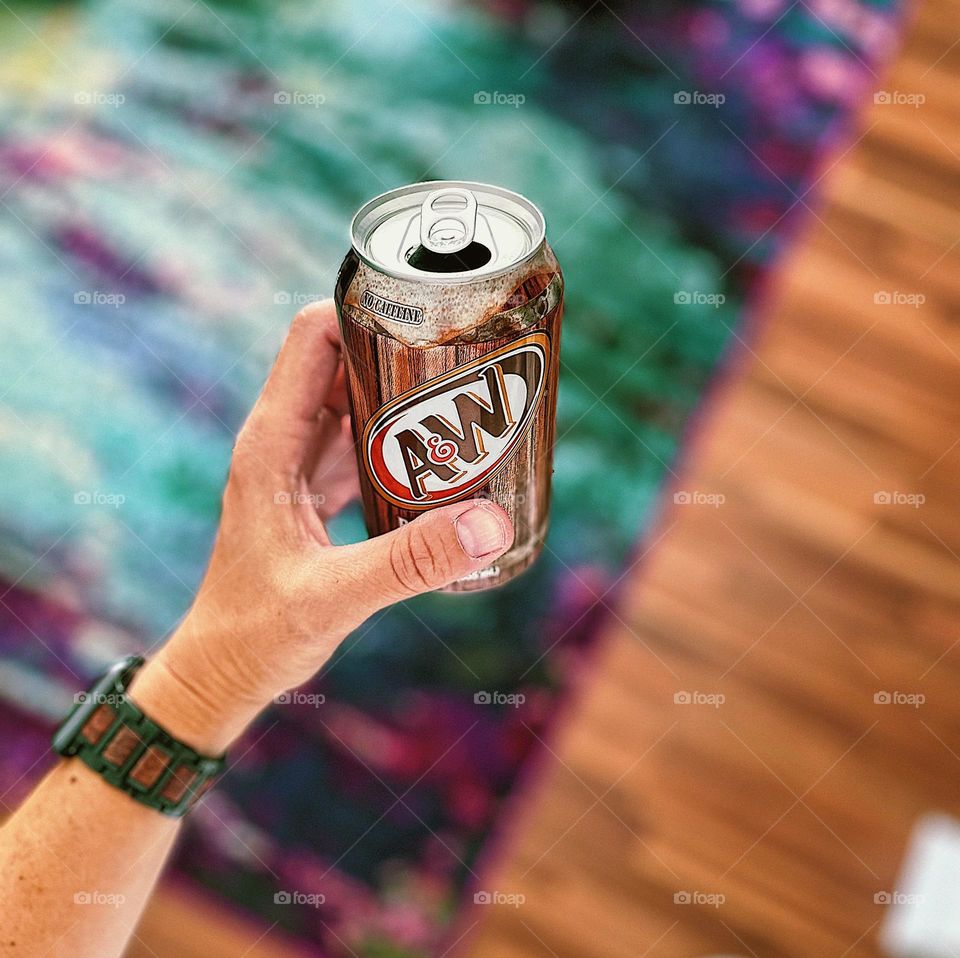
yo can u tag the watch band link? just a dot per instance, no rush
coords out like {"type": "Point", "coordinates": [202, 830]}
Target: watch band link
{"type": "Point", "coordinates": [110, 734]}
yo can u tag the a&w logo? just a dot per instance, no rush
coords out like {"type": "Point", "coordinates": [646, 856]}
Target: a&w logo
{"type": "Point", "coordinates": [442, 440]}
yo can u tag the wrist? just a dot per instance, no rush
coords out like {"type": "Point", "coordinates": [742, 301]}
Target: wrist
{"type": "Point", "coordinates": [182, 700]}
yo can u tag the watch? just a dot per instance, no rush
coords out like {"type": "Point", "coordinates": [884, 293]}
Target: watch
{"type": "Point", "coordinates": [108, 732]}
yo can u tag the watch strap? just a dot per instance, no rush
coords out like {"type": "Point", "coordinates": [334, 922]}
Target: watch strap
{"type": "Point", "coordinates": [108, 732]}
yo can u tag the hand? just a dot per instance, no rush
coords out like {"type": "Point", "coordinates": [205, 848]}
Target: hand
{"type": "Point", "coordinates": [277, 597]}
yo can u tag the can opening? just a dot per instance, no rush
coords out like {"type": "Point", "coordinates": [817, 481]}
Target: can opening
{"type": "Point", "coordinates": [429, 261]}
{"type": "Point", "coordinates": [447, 232]}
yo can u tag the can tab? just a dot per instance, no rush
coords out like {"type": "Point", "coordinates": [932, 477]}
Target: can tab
{"type": "Point", "coordinates": [448, 220]}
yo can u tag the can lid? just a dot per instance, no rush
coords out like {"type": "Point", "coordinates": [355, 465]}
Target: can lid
{"type": "Point", "coordinates": [447, 231]}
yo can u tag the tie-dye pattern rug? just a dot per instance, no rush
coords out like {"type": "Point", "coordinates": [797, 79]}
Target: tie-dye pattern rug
{"type": "Point", "coordinates": [177, 178]}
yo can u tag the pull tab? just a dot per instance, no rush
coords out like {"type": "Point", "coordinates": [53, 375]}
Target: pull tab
{"type": "Point", "coordinates": [448, 219]}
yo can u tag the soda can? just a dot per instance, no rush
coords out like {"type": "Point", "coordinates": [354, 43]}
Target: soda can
{"type": "Point", "coordinates": [450, 302]}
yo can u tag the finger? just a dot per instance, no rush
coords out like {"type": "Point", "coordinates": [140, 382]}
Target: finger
{"type": "Point", "coordinates": [305, 370]}
{"type": "Point", "coordinates": [432, 551]}
{"type": "Point", "coordinates": [335, 477]}
{"type": "Point", "coordinates": [279, 433]}
{"type": "Point", "coordinates": [336, 400]}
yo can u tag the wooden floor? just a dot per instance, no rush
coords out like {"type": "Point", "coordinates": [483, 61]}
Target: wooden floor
{"type": "Point", "coordinates": [782, 809]}
{"type": "Point", "coordinates": [800, 599]}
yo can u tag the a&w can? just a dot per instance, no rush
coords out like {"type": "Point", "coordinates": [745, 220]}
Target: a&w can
{"type": "Point", "coordinates": [450, 303]}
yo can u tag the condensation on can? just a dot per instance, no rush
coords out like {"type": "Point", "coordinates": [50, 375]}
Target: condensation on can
{"type": "Point", "coordinates": [450, 303]}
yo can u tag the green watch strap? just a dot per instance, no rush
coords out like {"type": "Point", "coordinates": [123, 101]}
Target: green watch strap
{"type": "Point", "coordinates": [110, 734]}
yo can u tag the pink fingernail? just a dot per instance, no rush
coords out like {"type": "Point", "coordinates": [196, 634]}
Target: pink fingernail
{"type": "Point", "coordinates": [480, 532]}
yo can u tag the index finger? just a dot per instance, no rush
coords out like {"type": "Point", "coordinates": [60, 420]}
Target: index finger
{"type": "Point", "coordinates": [302, 376]}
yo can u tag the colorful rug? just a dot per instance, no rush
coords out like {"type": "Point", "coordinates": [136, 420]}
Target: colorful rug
{"type": "Point", "coordinates": [176, 178]}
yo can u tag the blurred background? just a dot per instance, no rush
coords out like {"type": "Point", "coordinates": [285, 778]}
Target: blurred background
{"type": "Point", "coordinates": [731, 679]}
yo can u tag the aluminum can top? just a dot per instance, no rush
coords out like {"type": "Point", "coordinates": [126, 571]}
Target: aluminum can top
{"type": "Point", "coordinates": [447, 231]}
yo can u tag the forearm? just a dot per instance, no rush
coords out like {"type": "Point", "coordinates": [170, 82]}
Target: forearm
{"type": "Point", "coordinates": [79, 858]}
{"type": "Point", "coordinates": [77, 863]}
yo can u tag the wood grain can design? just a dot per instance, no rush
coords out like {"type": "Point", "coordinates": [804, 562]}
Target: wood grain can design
{"type": "Point", "coordinates": [450, 303]}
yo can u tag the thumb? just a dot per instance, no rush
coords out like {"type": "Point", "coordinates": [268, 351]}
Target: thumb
{"type": "Point", "coordinates": [438, 547]}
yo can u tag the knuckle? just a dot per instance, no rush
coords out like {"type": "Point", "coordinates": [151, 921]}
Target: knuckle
{"type": "Point", "coordinates": [417, 563]}
{"type": "Point", "coordinates": [251, 459]}
{"type": "Point", "coordinates": [244, 451]}
{"type": "Point", "coordinates": [304, 320]}
{"type": "Point", "coordinates": [312, 318]}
